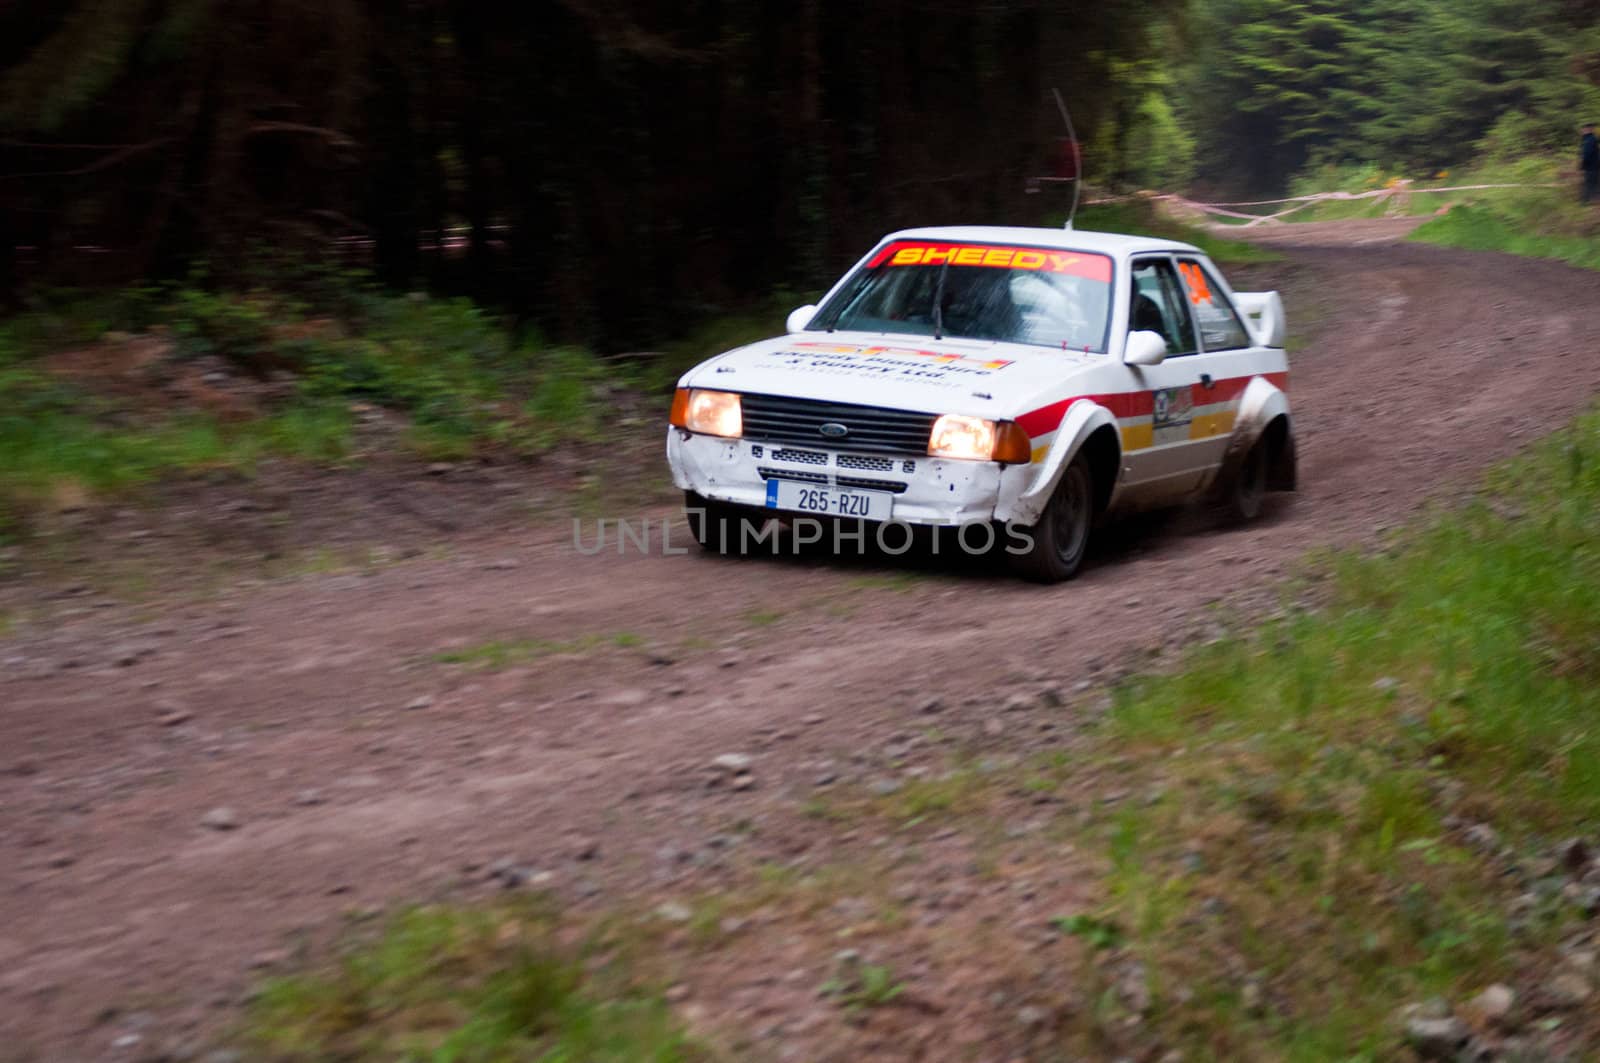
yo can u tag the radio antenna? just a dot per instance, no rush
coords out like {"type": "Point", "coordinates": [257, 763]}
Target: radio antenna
{"type": "Point", "coordinates": [1077, 155]}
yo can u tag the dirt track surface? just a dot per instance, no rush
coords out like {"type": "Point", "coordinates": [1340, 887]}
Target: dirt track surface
{"type": "Point", "coordinates": [363, 770]}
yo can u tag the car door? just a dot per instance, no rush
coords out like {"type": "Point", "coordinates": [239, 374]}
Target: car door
{"type": "Point", "coordinates": [1162, 461]}
{"type": "Point", "coordinates": [1227, 360]}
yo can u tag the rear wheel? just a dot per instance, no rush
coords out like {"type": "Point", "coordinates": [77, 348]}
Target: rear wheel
{"type": "Point", "coordinates": [1061, 537]}
{"type": "Point", "coordinates": [1249, 487]}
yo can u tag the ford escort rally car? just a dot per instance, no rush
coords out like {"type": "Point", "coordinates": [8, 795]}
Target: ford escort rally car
{"type": "Point", "coordinates": [1038, 379]}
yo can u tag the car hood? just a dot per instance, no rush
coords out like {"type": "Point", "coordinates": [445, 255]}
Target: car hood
{"type": "Point", "coordinates": [903, 372]}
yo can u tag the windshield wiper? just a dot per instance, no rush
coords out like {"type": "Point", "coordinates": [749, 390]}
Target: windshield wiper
{"type": "Point", "coordinates": [938, 301]}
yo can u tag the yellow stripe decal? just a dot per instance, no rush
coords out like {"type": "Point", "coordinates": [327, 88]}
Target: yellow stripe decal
{"type": "Point", "coordinates": [1138, 436]}
{"type": "Point", "coordinates": [1206, 425]}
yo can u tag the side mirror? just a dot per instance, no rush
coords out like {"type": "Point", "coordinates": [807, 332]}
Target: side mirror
{"type": "Point", "coordinates": [1145, 348]}
{"type": "Point", "coordinates": [800, 318]}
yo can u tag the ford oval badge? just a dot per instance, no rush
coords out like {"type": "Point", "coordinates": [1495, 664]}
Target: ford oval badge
{"type": "Point", "coordinates": [833, 430]}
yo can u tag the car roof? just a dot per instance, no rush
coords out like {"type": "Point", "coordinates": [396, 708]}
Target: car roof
{"type": "Point", "coordinates": [1116, 244]}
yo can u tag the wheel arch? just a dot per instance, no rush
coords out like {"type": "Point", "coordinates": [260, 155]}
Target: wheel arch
{"type": "Point", "coordinates": [1263, 417]}
{"type": "Point", "coordinates": [1103, 448]}
{"type": "Point", "coordinates": [1088, 428]}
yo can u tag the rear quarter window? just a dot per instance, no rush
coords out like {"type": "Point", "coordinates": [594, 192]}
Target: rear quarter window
{"type": "Point", "coordinates": [1220, 326]}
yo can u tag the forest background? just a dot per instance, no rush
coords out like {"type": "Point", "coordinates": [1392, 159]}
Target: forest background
{"type": "Point", "coordinates": [614, 174]}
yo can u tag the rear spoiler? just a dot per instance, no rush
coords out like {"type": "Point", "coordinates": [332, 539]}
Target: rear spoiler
{"type": "Point", "coordinates": [1264, 311]}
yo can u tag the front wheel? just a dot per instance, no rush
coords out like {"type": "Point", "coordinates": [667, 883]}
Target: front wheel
{"type": "Point", "coordinates": [720, 527]}
{"type": "Point", "coordinates": [1061, 537]}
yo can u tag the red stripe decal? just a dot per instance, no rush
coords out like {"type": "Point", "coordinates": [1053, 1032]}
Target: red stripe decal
{"type": "Point", "coordinates": [1127, 404]}
{"type": "Point", "coordinates": [1045, 419]}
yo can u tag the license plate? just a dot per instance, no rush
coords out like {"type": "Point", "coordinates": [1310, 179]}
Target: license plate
{"type": "Point", "coordinates": [829, 501]}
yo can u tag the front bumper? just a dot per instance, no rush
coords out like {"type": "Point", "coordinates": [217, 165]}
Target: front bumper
{"type": "Point", "coordinates": [934, 491]}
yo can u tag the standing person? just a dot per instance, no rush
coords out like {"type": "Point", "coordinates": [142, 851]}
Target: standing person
{"type": "Point", "coordinates": [1589, 163]}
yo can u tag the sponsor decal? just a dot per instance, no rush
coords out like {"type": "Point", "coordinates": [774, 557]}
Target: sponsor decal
{"type": "Point", "coordinates": [1173, 407]}
{"type": "Point", "coordinates": [1041, 259]}
{"type": "Point", "coordinates": [886, 363]}
{"type": "Point", "coordinates": [939, 357]}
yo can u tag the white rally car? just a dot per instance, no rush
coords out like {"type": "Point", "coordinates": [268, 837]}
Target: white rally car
{"type": "Point", "coordinates": [1030, 379]}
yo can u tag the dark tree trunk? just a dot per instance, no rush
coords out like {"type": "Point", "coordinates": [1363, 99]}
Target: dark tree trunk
{"type": "Point", "coordinates": [394, 163]}
{"type": "Point", "coordinates": [468, 23]}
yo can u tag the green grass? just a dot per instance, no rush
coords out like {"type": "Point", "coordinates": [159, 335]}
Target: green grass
{"type": "Point", "coordinates": [862, 985]}
{"type": "Point", "coordinates": [1419, 196]}
{"type": "Point", "coordinates": [505, 653]}
{"type": "Point", "coordinates": [59, 444]}
{"type": "Point", "coordinates": [461, 381]}
{"type": "Point", "coordinates": [453, 986]}
{"type": "Point", "coordinates": [1309, 769]}
{"type": "Point", "coordinates": [1482, 228]}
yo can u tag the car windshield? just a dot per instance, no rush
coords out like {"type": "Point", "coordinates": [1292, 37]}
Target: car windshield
{"type": "Point", "coordinates": [1038, 295]}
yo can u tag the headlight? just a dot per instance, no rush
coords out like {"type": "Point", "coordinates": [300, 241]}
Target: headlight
{"type": "Point", "coordinates": [955, 436]}
{"type": "Point", "coordinates": [977, 439]}
{"type": "Point", "coordinates": [712, 413]}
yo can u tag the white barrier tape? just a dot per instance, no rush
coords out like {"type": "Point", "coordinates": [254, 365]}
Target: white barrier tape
{"type": "Point", "coordinates": [1223, 209]}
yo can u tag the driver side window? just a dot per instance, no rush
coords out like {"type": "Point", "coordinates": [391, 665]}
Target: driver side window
{"type": "Point", "coordinates": [1158, 304]}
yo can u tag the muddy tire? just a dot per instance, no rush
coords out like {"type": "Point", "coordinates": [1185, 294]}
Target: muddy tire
{"type": "Point", "coordinates": [1061, 538]}
{"type": "Point", "coordinates": [1248, 489]}
{"type": "Point", "coordinates": [715, 525]}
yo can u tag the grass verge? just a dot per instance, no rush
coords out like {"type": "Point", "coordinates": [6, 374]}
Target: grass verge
{"type": "Point", "coordinates": [1540, 227]}
{"type": "Point", "coordinates": [452, 986]}
{"type": "Point", "coordinates": [1357, 804]}
{"type": "Point", "coordinates": [102, 392]}
{"type": "Point", "coordinates": [504, 653]}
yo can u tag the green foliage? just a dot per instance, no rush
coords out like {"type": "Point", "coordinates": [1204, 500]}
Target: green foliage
{"type": "Point", "coordinates": [78, 63]}
{"type": "Point", "coordinates": [59, 446]}
{"type": "Point", "coordinates": [234, 326]}
{"type": "Point", "coordinates": [1354, 177]}
{"type": "Point", "coordinates": [863, 985]}
{"type": "Point", "coordinates": [1517, 136]}
{"type": "Point", "coordinates": [1412, 85]}
{"type": "Point", "coordinates": [460, 379]}
{"type": "Point", "coordinates": [1143, 141]}
{"type": "Point", "coordinates": [1161, 148]}
{"type": "Point", "coordinates": [1536, 222]}
{"type": "Point", "coordinates": [455, 986]}
{"type": "Point", "coordinates": [61, 319]}
{"type": "Point", "coordinates": [504, 653]}
{"type": "Point", "coordinates": [1479, 228]}
{"type": "Point", "coordinates": [1098, 933]}
{"type": "Point", "coordinates": [1313, 767]}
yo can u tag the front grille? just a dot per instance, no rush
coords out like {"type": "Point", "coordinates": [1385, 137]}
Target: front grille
{"type": "Point", "coordinates": [872, 429]}
{"type": "Point", "coordinates": [805, 457]}
{"type": "Point", "coordinates": [892, 486]}
{"type": "Point", "coordinates": [792, 474]}
{"type": "Point", "coordinates": [806, 476]}
{"type": "Point", "coordinates": [852, 461]}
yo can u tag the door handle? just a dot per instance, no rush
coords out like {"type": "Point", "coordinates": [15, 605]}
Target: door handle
{"type": "Point", "coordinates": [1206, 381]}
